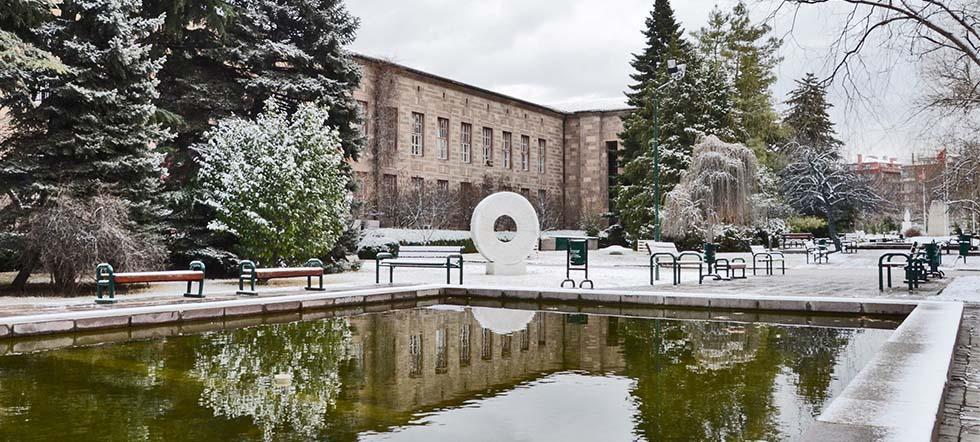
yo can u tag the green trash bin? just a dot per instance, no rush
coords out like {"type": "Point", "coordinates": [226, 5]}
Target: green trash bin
{"type": "Point", "coordinates": [578, 252]}
{"type": "Point", "coordinates": [964, 246]}
{"type": "Point", "coordinates": [577, 260]}
{"type": "Point", "coordinates": [710, 255]}
{"type": "Point", "coordinates": [933, 257]}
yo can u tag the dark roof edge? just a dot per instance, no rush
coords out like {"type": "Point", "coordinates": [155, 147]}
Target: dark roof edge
{"type": "Point", "coordinates": [477, 88]}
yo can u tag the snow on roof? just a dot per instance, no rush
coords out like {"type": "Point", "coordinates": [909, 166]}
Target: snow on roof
{"type": "Point", "coordinates": [606, 104]}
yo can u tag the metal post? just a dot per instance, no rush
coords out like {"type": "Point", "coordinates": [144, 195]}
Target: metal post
{"type": "Point", "coordinates": [656, 170]}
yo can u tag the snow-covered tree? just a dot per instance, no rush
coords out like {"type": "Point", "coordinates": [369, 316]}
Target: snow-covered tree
{"type": "Point", "coordinates": [239, 54]}
{"type": "Point", "coordinates": [808, 117]}
{"type": "Point", "coordinates": [276, 183]}
{"type": "Point", "coordinates": [90, 129]}
{"type": "Point", "coordinates": [960, 179]}
{"type": "Point", "coordinates": [818, 183]}
{"type": "Point", "coordinates": [717, 188]}
{"type": "Point", "coordinates": [22, 62]}
{"type": "Point", "coordinates": [746, 54]}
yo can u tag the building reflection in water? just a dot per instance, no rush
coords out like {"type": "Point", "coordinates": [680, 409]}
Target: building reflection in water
{"type": "Point", "coordinates": [690, 379]}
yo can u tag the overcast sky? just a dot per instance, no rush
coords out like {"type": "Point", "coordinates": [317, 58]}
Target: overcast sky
{"type": "Point", "coordinates": [567, 53]}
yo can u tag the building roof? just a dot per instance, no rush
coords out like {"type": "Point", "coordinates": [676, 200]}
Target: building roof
{"type": "Point", "coordinates": [564, 109]}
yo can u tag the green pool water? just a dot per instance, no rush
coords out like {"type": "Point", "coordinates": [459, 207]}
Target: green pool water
{"type": "Point", "coordinates": [440, 373]}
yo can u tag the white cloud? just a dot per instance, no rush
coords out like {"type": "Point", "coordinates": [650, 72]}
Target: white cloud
{"type": "Point", "coordinates": [558, 52]}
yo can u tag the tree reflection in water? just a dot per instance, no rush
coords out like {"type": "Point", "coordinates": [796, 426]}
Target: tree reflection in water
{"type": "Point", "coordinates": [379, 372]}
{"type": "Point", "coordinates": [237, 369]}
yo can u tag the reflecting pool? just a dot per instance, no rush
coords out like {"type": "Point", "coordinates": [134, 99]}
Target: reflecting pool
{"type": "Point", "coordinates": [440, 373]}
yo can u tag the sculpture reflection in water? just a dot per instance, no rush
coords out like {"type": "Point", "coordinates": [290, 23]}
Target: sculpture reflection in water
{"type": "Point", "coordinates": [353, 377]}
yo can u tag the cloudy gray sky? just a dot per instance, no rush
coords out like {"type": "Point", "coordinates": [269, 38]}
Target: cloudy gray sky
{"type": "Point", "coordinates": [568, 52]}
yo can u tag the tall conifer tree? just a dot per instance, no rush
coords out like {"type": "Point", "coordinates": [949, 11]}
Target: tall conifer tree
{"type": "Point", "coordinates": [90, 129]}
{"type": "Point", "coordinates": [808, 116]}
{"type": "Point", "coordinates": [696, 105]}
{"type": "Point", "coordinates": [239, 54]}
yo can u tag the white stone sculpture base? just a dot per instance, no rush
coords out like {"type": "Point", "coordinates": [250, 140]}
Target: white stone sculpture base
{"type": "Point", "coordinates": [497, 268]}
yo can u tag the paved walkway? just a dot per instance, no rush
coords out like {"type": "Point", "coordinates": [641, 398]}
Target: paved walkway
{"type": "Point", "coordinates": [961, 417]}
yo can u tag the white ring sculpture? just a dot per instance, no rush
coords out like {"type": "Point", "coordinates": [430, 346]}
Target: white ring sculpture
{"type": "Point", "coordinates": [505, 258]}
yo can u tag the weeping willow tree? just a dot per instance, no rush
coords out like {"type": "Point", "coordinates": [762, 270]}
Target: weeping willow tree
{"type": "Point", "coordinates": [716, 189]}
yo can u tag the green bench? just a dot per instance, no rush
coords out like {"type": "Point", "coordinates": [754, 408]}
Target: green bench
{"type": "Point", "coordinates": [106, 280]}
{"type": "Point", "coordinates": [247, 271]}
{"type": "Point", "coordinates": [445, 257]}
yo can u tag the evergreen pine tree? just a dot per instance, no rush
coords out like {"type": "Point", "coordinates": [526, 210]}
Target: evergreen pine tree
{"type": "Point", "coordinates": [687, 109]}
{"type": "Point", "coordinates": [23, 64]}
{"type": "Point", "coordinates": [92, 129]}
{"type": "Point", "coordinates": [746, 54]}
{"type": "Point", "coordinates": [808, 117]}
{"type": "Point", "coordinates": [242, 53]}
{"type": "Point", "coordinates": [752, 54]}
{"type": "Point", "coordinates": [664, 37]}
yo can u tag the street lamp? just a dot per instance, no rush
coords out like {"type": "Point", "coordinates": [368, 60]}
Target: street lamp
{"type": "Point", "coordinates": [676, 72]}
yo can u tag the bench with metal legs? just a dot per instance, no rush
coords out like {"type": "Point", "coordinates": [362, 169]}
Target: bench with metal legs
{"type": "Point", "coordinates": [449, 258]}
{"type": "Point", "coordinates": [313, 268]}
{"type": "Point", "coordinates": [106, 280]}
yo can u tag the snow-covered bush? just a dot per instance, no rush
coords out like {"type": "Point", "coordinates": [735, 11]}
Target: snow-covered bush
{"type": "Point", "coordinates": [387, 240]}
{"type": "Point", "coordinates": [277, 183]}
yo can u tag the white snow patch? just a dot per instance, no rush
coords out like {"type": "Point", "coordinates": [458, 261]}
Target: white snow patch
{"type": "Point", "coordinates": [964, 289]}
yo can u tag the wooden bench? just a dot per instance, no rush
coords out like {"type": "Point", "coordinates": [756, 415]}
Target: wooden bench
{"type": "Point", "coordinates": [652, 247]}
{"type": "Point", "coordinates": [795, 240]}
{"type": "Point", "coordinates": [106, 280]}
{"type": "Point", "coordinates": [248, 272]}
{"type": "Point", "coordinates": [767, 257]}
{"type": "Point", "coordinates": [421, 257]}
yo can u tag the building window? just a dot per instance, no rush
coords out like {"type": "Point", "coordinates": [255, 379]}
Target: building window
{"type": "Point", "coordinates": [415, 355]}
{"type": "Point", "coordinates": [525, 152]}
{"type": "Point", "coordinates": [418, 183]}
{"type": "Point", "coordinates": [362, 113]}
{"type": "Point", "coordinates": [443, 139]}
{"type": "Point", "coordinates": [442, 186]}
{"type": "Point", "coordinates": [488, 147]}
{"type": "Point", "coordinates": [526, 193]}
{"type": "Point", "coordinates": [542, 197]}
{"type": "Point", "coordinates": [418, 131]}
{"type": "Point", "coordinates": [465, 141]}
{"type": "Point", "coordinates": [486, 350]}
{"type": "Point", "coordinates": [542, 148]}
{"type": "Point", "coordinates": [390, 184]}
{"type": "Point", "coordinates": [526, 338]}
{"type": "Point", "coordinates": [442, 351]}
{"type": "Point", "coordinates": [464, 345]}
{"type": "Point", "coordinates": [507, 148]}
{"type": "Point", "coordinates": [505, 345]}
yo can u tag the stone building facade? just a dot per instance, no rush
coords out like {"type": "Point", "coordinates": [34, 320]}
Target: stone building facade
{"type": "Point", "coordinates": [426, 130]}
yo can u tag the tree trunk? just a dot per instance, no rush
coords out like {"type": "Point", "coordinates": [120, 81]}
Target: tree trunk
{"type": "Point", "coordinates": [20, 281]}
{"type": "Point", "coordinates": [832, 231]}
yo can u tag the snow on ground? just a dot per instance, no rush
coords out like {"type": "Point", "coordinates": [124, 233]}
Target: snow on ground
{"type": "Point", "coordinates": [615, 267]}
{"type": "Point", "coordinates": [964, 288]}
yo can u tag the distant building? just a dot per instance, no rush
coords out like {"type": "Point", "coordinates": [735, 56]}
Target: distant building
{"type": "Point", "coordinates": [427, 130]}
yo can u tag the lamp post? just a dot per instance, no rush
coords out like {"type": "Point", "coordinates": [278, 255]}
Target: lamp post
{"type": "Point", "coordinates": [676, 72]}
